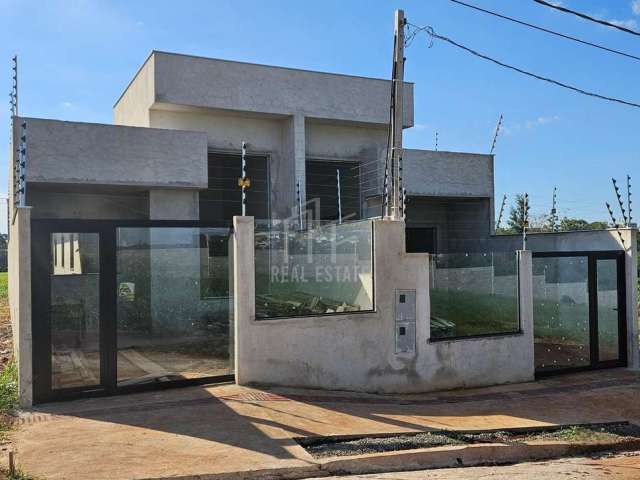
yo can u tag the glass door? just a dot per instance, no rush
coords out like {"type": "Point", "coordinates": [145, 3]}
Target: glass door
{"type": "Point", "coordinates": [608, 310]}
{"type": "Point", "coordinates": [74, 313]}
{"type": "Point", "coordinates": [579, 310]}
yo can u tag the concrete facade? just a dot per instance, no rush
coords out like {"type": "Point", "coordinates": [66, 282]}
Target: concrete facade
{"type": "Point", "coordinates": [83, 153]}
{"type": "Point", "coordinates": [357, 351]}
{"type": "Point", "coordinates": [20, 300]}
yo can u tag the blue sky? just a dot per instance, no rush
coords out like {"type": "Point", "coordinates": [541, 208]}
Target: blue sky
{"type": "Point", "coordinates": [76, 57]}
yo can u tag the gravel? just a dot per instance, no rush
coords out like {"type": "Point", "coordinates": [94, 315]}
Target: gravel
{"type": "Point", "coordinates": [331, 446]}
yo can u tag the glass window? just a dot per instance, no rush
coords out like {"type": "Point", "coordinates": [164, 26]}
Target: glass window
{"type": "Point", "coordinates": [326, 269]}
{"type": "Point", "coordinates": [174, 308]}
{"type": "Point", "coordinates": [75, 310]}
{"type": "Point", "coordinates": [473, 294]}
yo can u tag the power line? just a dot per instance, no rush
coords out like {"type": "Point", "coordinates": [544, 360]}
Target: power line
{"type": "Point", "coordinates": [432, 34]}
{"type": "Point", "coordinates": [587, 17]}
{"type": "Point", "coordinates": [546, 30]}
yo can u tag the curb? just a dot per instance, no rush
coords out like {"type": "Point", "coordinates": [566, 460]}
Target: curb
{"type": "Point", "coordinates": [425, 459]}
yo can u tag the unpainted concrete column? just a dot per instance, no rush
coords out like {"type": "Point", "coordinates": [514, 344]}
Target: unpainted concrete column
{"type": "Point", "coordinates": [294, 151]}
{"type": "Point", "coordinates": [631, 281]}
{"type": "Point", "coordinates": [244, 281]}
{"type": "Point", "coordinates": [173, 204]}
{"type": "Point", "coordinates": [20, 301]}
{"type": "Point", "coordinates": [525, 304]}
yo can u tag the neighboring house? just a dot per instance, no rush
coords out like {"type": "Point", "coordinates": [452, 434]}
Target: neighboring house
{"type": "Point", "coordinates": [121, 271]}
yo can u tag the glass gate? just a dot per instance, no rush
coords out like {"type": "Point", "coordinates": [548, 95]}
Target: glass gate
{"type": "Point", "coordinates": [578, 310]}
{"type": "Point", "coordinates": [121, 306]}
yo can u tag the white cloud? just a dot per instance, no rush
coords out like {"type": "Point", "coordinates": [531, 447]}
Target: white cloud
{"type": "Point", "coordinates": [629, 23]}
{"type": "Point", "coordinates": [541, 121]}
{"type": "Point", "coordinates": [635, 7]}
{"type": "Point", "coordinates": [66, 104]}
{"type": "Point", "coordinates": [529, 124]}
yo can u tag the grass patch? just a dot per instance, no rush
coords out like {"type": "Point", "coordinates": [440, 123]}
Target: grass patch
{"type": "Point", "coordinates": [4, 286]}
{"type": "Point", "coordinates": [8, 388]}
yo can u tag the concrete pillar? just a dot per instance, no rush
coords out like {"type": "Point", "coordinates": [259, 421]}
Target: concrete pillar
{"type": "Point", "coordinates": [525, 304]}
{"type": "Point", "coordinates": [244, 291]}
{"type": "Point", "coordinates": [20, 301]}
{"type": "Point", "coordinates": [631, 280]}
{"type": "Point", "coordinates": [294, 154]}
{"type": "Point", "coordinates": [173, 204]}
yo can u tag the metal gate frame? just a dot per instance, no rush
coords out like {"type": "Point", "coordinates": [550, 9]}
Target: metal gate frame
{"type": "Point", "coordinates": [592, 258]}
{"type": "Point", "coordinates": [41, 230]}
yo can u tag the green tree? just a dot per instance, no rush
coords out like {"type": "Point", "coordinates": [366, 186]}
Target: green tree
{"type": "Point", "coordinates": [569, 224]}
{"type": "Point", "coordinates": [516, 215]}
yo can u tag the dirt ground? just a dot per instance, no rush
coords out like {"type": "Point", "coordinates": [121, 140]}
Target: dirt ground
{"type": "Point", "coordinates": [620, 466]}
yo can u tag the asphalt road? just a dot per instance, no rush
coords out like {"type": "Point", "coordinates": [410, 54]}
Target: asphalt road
{"type": "Point", "coordinates": [623, 466]}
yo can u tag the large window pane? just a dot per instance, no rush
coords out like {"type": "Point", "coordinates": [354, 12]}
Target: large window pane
{"type": "Point", "coordinates": [474, 294]}
{"type": "Point", "coordinates": [75, 310]}
{"type": "Point", "coordinates": [174, 312]}
{"type": "Point", "coordinates": [326, 269]}
{"type": "Point", "coordinates": [561, 312]}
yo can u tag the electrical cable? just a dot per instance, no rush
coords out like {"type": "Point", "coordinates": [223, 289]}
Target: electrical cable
{"type": "Point", "coordinates": [587, 17]}
{"type": "Point", "coordinates": [546, 30]}
{"type": "Point", "coordinates": [432, 34]}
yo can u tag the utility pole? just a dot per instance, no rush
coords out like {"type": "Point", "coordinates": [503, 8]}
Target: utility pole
{"type": "Point", "coordinates": [397, 116]}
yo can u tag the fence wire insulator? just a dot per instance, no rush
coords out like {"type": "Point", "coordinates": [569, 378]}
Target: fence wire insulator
{"type": "Point", "coordinates": [299, 197]}
{"type": "Point", "coordinates": [629, 199]}
{"type": "Point", "coordinates": [525, 220]}
{"type": "Point", "coordinates": [20, 171]}
{"type": "Point", "coordinates": [495, 136]}
{"type": "Point", "coordinates": [404, 204]}
{"type": "Point", "coordinates": [504, 201]}
{"type": "Point", "coordinates": [614, 223]}
{"type": "Point", "coordinates": [620, 202]}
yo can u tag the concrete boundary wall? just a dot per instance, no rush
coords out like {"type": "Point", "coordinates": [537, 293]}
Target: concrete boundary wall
{"type": "Point", "coordinates": [20, 300]}
{"type": "Point", "coordinates": [357, 351]}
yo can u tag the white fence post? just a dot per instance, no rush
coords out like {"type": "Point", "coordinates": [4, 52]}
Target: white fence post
{"type": "Point", "coordinates": [525, 302]}
{"type": "Point", "coordinates": [244, 282]}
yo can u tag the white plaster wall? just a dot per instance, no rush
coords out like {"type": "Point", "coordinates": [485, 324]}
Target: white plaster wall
{"type": "Point", "coordinates": [357, 351]}
{"type": "Point", "coordinates": [132, 108]}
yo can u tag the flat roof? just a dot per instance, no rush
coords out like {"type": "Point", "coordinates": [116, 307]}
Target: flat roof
{"type": "Point", "coordinates": [213, 59]}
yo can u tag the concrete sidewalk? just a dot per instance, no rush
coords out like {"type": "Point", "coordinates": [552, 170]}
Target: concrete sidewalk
{"type": "Point", "coordinates": [225, 429]}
